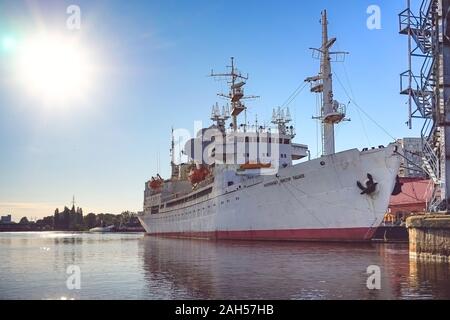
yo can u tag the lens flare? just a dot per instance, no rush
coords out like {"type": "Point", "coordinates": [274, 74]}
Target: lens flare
{"type": "Point", "coordinates": [55, 67]}
{"type": "Point", "coordinates": [8, 43]}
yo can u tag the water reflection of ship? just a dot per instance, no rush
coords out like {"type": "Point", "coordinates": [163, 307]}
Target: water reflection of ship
{"type": "Point", "coordinates": [396, 267]}
{"type": "Point", "coordinates": [249, 270]}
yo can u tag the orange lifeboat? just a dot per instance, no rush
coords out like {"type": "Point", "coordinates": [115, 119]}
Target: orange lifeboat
{"type": "Point", "coordinates": [199, 174]}
{"type": "Point", "coordinates": [255, 166]}
{"type": "Point", "coordinates": [156, 183]}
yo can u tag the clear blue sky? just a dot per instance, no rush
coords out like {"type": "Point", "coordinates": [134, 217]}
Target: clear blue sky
{"type": "Point", "coordinates": [155, 57]}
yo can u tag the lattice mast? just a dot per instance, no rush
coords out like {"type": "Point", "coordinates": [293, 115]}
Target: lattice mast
{"type": "Point", "coordinates": [236, 94]}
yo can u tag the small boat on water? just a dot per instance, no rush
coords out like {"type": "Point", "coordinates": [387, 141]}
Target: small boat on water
{"type": "Point", "coordinates": [102, 229]}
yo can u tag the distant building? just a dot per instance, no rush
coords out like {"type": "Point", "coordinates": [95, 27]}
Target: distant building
{"type": "Point", "coordinates": [415, 196]}
{"type": "Point", "coordinates": [6, 219]}
{"type": "Point", "coordinates": [412, 163]}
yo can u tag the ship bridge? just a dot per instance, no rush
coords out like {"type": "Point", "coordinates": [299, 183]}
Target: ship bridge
{"type": "Point", "coordinates": [239, 147]}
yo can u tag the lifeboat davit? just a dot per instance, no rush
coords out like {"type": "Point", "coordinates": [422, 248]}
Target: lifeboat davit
{"type": "Point", "coordinates": [199, 174]}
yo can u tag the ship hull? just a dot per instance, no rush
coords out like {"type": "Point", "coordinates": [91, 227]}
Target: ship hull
{"type": "Point", "coordinates": [317, 200]}
{"type": "Point", "coordinates": [326, 234]}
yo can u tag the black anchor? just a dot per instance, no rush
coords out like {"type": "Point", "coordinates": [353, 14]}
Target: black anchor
{"type": "Point", "coordinates": [370, 187]}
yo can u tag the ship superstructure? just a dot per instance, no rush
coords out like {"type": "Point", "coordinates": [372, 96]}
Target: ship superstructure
{"type": "Point", "coordinates": [245, 182]}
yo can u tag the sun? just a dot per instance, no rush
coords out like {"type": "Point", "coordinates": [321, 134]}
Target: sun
{"type": "Point", "coordinates": [55, 67]}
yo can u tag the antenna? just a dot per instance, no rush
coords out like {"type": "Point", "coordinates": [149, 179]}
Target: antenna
{"type": "Point", "coordinates": [179, 150]}
{"type": "Point", "coordinates": [220, 117]}
{"type": "Point", "coordinates": [281, 118]}
{"type": "Point", "coordinates": [157, 161]}
{"type": "Point", "coordinates": [236, 81]}
{"type": "Point", "coordinates": [172, 157]}
{"type": "Point", "coordinates": [172, 149]}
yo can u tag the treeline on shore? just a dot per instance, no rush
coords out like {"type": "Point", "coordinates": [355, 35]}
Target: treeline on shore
{"type": "Point", "coordinates": [74, 220]}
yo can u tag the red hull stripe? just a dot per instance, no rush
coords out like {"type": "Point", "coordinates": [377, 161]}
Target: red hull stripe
{"type": "Point", "coordinates": [346, 234]}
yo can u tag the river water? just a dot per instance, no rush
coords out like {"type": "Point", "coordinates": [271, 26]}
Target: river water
{"type": "Point", "coordinates": [56, 265]}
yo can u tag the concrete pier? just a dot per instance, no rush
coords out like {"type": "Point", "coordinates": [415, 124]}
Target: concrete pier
{"type": "Point", "coordinates": [429, 237]}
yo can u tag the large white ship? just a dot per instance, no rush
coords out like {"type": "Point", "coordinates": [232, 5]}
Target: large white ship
{"type": "Point", "coordinates": [245, 182]}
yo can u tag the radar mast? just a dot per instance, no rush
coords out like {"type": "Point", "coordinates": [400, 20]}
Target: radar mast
{"type": "Point", "coordinates": [236, 81]}
{"type": "Point", "coordinates": [332, 112]}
